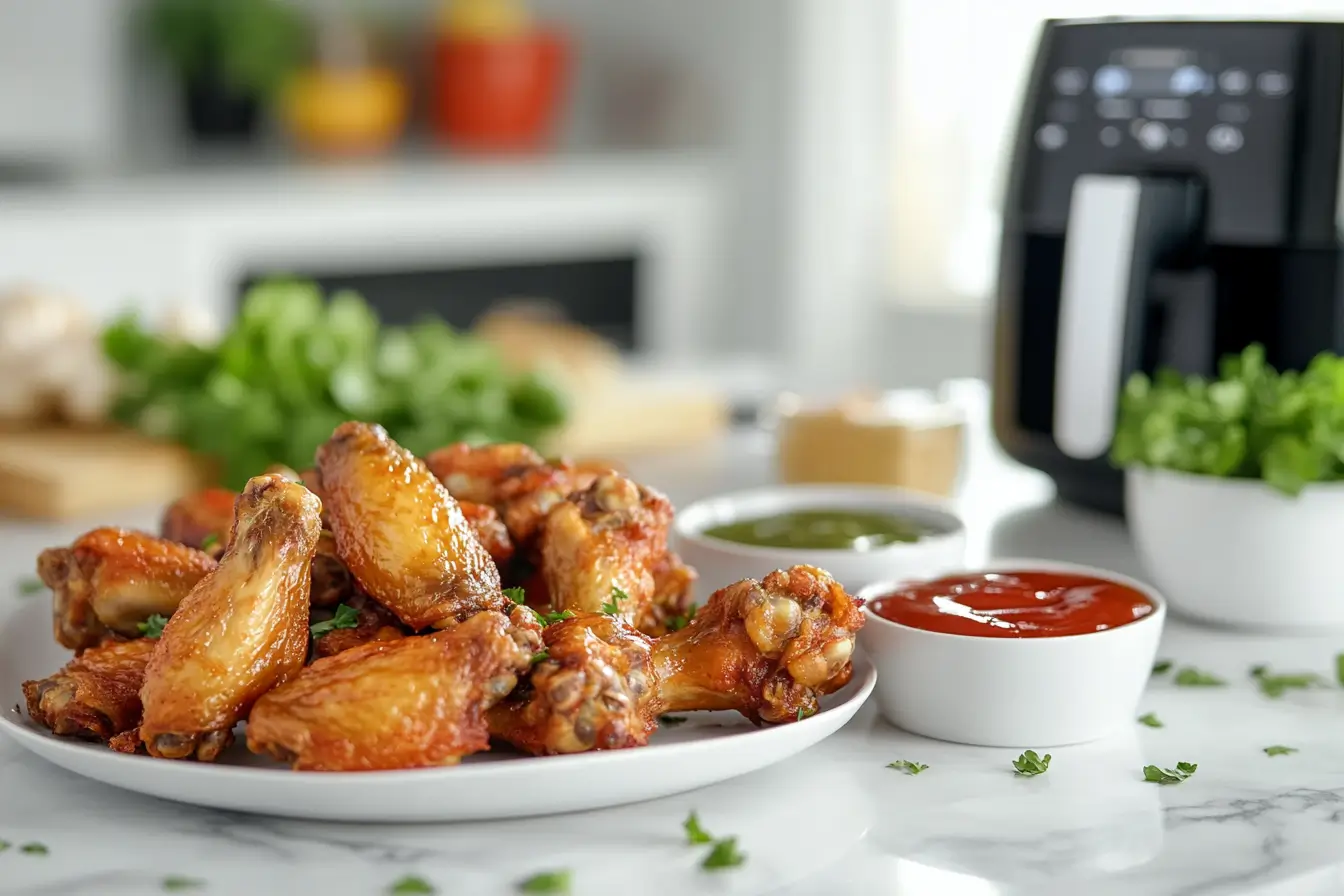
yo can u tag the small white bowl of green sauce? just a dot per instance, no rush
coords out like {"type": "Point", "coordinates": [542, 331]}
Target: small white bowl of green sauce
{"type": "Point", "coordinates": [859, 534]}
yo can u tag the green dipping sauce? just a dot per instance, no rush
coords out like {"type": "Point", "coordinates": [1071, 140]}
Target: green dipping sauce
{"type": "Point", "coordinates": [846, 530]}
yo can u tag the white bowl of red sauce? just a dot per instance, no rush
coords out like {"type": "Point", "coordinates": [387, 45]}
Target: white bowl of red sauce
{"type": "Point", "coordinates": [1021, 653]}
{"type": "Point", "coordinates": [857, 533]}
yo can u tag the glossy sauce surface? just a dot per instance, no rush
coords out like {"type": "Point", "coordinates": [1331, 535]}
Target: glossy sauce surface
{"type": "Point", "coordinates": [1014, 604]}
{"type": "Point", "coordinates": [823, 529]}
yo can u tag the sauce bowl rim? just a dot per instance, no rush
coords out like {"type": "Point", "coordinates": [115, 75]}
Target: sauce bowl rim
{"type": "Point", "coordinates": [874, 590]}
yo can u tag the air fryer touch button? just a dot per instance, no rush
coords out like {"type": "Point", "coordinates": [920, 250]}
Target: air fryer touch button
{"type": "Point", "coordinates": [1234, 82]}
{"type": "Point", "coordinates": [1224, 139]}
{"type": "Point", "coordinates": [1273, 83]}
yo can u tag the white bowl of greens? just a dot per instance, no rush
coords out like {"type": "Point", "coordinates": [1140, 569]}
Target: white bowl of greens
{"type": "Point", "coordinates": [1234, 491]}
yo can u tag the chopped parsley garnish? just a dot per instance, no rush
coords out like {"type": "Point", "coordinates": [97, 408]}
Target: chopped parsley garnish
{"type": "Point", "coordinates": [153, 626]}
{"type": "Point", "coordinates": [805, 713]}
{"type": "Point", "coordinates": [694, 833]}
{"type": "Point", "coordinates": [1278, 750]}
{"type": "Point", "coordinates": [517, 595]}
{"type": "Point", "coordinates": [1150, 719]}
{"type": "Point", "coordinates": [1162, 667]}
{"type": "Point", "coordinates": [346, 616]}
{"type": "Point", "coordinates": [613, 606]}
{"type": "Point", "coordinates": [677, 623]}
{"type": "Point", "coordinates": [725, 854]}
{"type": "Point", "coordinates": [553, 618]}
{"type": "Point", "coordinates": [174, 883]}
{"type": "Point", "coordinates": [410, 885]}
{"type": "Point", "coordinates": [1190, 677]}
{"type": "Point", "coordinates": [905, 765]}
{"type": "Point", "coordinates": [208, 542]}
{"type": "Point", "coordinates": [34, 849]}
{"type": "Point", "coordinates": [671, 721]}
{"type": "Point", "coordinates": [30, 586]}
{"type": "Point", "coordinates": [1275, 685]}
{"type": "Point", "coordinates": [1175, 775]}
{"type": "Point", "coordinates": [1029, 765]}
{"type": "Point", "coordinates": [546, 882]}
{"type": "Point", "coordinates": [540, 655]}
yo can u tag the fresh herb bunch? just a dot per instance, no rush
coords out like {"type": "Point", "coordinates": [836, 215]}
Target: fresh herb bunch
{"type": "Point", "coordinates": [1252, 422]}
{"type": "Point", "coordinates": [250, 45]}
{"type": "Point", "coordinates": [295, 365]}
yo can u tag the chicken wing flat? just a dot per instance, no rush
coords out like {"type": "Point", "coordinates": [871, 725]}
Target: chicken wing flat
{"type": "Point", "coordinates": [490, 531]}
{"type": "Point", "coordinates": [374, 622]}
{"type": "Point", "coordinates": [599, 545]}
{"type": "Point", "coordinates": [96, 695]}
{"type": "Point", "coordinates": [767, 649]}
{"type": "Point", "coordinates": [413, 703]}
{"type": "Point", "coordinates": [241, 631]}
{"type": "Point", "coordinates": [595, 690]}
{"type": "Point", "coordinates": [399, 532]}
{"type": "Point", "coordinates": [202, 520]}
{"type": "Point", "coordinates": [110, 580]}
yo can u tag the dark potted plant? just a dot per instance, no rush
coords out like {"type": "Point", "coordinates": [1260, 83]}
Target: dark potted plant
{"type": "Point", "coordinates": [229, 56]}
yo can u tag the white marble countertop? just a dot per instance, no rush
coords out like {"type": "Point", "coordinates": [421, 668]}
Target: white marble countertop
{"type": "Point", "coordinates": [833, 820]}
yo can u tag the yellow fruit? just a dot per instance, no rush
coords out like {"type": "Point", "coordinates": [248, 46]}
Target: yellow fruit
{"type": "Point", "coordinates": [484, 19]}
{"type": "Point", "coordinates": [337, 111]}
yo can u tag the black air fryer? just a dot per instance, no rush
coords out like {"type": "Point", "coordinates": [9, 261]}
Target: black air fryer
{"type": "Point", "coordinates": [1175, 195]}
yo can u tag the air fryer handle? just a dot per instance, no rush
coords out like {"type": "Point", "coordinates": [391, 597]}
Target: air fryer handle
{"type": "Point", "coordinates": [1119, 230]}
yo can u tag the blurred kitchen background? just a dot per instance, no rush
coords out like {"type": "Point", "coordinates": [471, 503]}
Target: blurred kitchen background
{"type": "Point", "coordinates": [735, 198]}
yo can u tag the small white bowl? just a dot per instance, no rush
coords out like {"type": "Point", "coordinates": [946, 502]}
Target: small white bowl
{"type": "Point", "coordinates": [720, 563]}
{"type": "Point", "coordinates": [1013, 692]}
{"type": "Point", "coordinates": [1236, 552]}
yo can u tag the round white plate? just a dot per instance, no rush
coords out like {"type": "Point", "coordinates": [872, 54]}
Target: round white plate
{"type": "Point", "coordinates": [709, 747]}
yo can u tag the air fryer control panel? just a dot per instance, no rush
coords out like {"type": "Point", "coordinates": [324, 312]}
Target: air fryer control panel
{"type": "Point", "coordinates": [1220, 101]}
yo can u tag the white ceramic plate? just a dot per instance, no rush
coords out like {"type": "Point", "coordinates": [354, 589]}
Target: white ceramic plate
{"type": "Point", "coordinates": [709, 747]}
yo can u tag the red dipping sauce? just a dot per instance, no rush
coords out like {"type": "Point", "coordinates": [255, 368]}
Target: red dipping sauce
{"type": "Point", "coordinates": [1014, 604]}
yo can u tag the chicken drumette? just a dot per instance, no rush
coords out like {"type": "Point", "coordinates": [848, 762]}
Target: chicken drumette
{"type": "Point", "coordinates": [111, 580]}
{"type": "Point", "coordinates": [416, 702]}
{"type": "Point", "coordinates": [767, 649]}
{"type": "Point", "coordinates": [96, 695]}
{"type": "Point", "coordinates": [242, 630]}
{"type": "Point", "coordinates": [598, 548]}
{"type": "Point", "coordinates": [399, 532]}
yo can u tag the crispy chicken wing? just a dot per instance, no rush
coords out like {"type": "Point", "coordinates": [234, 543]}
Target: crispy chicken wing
{"type": "Point", "coordinates": [375, 623]}
{"type": "Point", "coordinates": [202, 520]}
{"type": "Point", "coordinates": [490, 531]}
{"type": "Point", "coordinates": [412, 703]}
{"type": "Point", "coordinates": [594, 691]}
{"type": "Point", "coordinates": [605, 537]}
{"type": "Point", "coordinates": [110, 580]}
{"type": "Point", "coordinates": [96, 695]}
{"type": "Point", "coordinates": [399, 532]}
{"type": "Point", "coordinates": [767, 649]}
{"type": "Point", "coordinates": [241, 631]}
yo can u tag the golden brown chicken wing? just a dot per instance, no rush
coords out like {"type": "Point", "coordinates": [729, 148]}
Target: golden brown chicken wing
{"type": "Point", "coordinates": [767, 649]}
{"type": "Point", "coordinates": [594, 690]}
{"type": "Point", "coordinates": [399, 532]}
{"type": "Point", "coordinates": [601, 543]}
{"type": "Point", "coordinates": [202, 520]}
{"type": "Point", "coordinates": [490, 531]}
{"type": "Point", "coordinates": [111, 580]}
{"type": "Point", "coordinates": [412, 703]}
{"type": "Point", "coordinates": [242, 630]}
{"type": "Point", "coordinates": [373, 622]}
{"type": "Point", "coordinates": [96, 695]}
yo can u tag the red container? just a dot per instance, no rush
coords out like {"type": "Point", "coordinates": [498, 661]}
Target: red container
{"type": "Point", "coordinates": [499, 95]}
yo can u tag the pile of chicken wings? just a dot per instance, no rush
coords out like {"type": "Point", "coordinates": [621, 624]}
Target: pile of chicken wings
{"type": "Point", "coordinates": [383, 611]}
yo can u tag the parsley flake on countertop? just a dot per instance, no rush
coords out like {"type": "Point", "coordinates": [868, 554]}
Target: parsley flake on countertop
{"type": "Point", "coordinates": [410, 885]}
{"type": "Point", "coordinates": [30, 586]}
{"type": "Point", "coordinates": [1275, 685]}
{"type": "Point", "coordinates": [153, 626]}
{"type": "Point", "coordinates": [1278, 750]}
{"type": "Point", "coordinates": [4, 845]}
{"type": "Point", "coordinates": [1029, 765]}
{"type": "Point", "coordinates": [517, 595]}
{"type": "Point", "coordinates": [1162, 667]}
{"type": "Point", "coordinates": [546, 882]}
{"type": "Point", "coordinates": [1339, 668]}
{"type": "Point", "coordinates": [1190, 677]}
{"type": "Point", "coordinates": [725, 854]}
{"type": "Point", "coordinates": [613, 606]}
{"type": "Point", "coordinates": [695, 833]}
{"type": "Point", "coordinates": [905, 765]}
{"type": "Point", "coordinates": [1150, 719]}
{"type": "Point", "coordinates": [1182, 771]}
{"type": "Point", "coordinates": [175, 883]}
{"type": "Point", "coordinates": [345, 616]}
{"type": "Point", "coordinates": [34, 849]}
